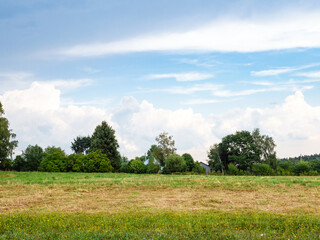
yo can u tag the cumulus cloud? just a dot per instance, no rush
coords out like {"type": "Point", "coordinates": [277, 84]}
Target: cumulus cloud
{"type": "Point", "coordinates": [285, 31]}
{"type": "Point", "coordinates": [37, 115]}
{"type": "Point", "coordinates": [182, 77]}
{"type": "Point", "coordinates": [294, 124]}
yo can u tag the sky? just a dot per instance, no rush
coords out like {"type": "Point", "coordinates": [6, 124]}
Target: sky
{"type": "Point", "coordinates": [197, 69]}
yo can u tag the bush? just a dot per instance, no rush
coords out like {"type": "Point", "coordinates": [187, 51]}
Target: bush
{"type": "Point", "coordinates": [301, 168]}
{"type": "Point", "coordinates": [198, 168]}
{"type": "Point", "coordinates": [175, 163]}
{"type": "Point", "coordinates": [95, 162]}
{"type": "Point", "coordinates": [54, 160]}
{"type": "Point", "coordinates": [232, 169]}
{"type": "Point", "coordinates": [261, 169]}
{"type": "Point", "coordinates": [19, 164]}
{"type": "Point", "coordinates": [137, 166]}
{"type": "Point", "coordinates": [152, 167]}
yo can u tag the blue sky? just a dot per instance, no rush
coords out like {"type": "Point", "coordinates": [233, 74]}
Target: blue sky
{"type": "Point", "coordinates": [197, 69]}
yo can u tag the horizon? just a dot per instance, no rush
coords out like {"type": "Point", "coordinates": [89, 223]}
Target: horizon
{"type": "Point", "coordinates": [199, 70]}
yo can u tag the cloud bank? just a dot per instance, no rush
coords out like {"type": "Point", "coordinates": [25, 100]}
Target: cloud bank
{"type": "Point", "coordinates": [38, 116]}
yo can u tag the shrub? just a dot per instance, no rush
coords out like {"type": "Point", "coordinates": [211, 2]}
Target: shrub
{"type": "Point", "coordinates": [301, 168]}
{"type": "Point", "coordinates": [137, 166]}
{"type": "Point", "coordinates": [96, 162]}
{"type": "Point", "coordinates": [261, 169]}
{"type": "Point", "coordinates": [232, 169]}
{"type": "Point", "coordinates": [198, 168]}
{"type": "Point", "coordinates": [54, 160]}
{"type": "Point", "coordinates": [152, 167]}
{"type": "Point", "coordinates": [175, 163]}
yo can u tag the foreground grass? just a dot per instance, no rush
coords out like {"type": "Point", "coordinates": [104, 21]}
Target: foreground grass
{"type": "Point", "coordinates": [128, 206]}
{"type": "Point", "coordinates": [159, 225]}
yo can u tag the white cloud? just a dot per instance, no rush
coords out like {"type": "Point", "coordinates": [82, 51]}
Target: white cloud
{"type": "Point", "coordinates": [182, 77]}
{"type": "Point", "coordinates": [70, 84]}
{"type": "Point", "coordinates": [37, 116]}
{"type": "Point", "coordinates": [277, 71]}
{"type": "Point", "coordinates": [282, 31]}
{"type": "Point", "coordinates": [272, 72]}
{"type": "Point", "coordinates": [294, 125]}
{"type": "Point", "coordinates": [309, 74]}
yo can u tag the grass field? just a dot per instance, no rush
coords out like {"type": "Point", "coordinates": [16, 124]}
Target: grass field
{"type": "Point", "coordinates": [127, 206]}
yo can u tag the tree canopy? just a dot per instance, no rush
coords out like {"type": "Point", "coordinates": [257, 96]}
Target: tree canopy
{"type": "Point", "coordinates": [7, 144]}
{"type": "Point", "coordinates": [164, 148]}
{"type": "Point", "coordinates": [242, 149]}
{"type": "Point", "coordinates": [104, 140]}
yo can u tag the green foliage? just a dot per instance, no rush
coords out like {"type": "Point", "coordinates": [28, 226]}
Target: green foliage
{"type": "Point", "coordinates": [215, 161]}
{"type": "Point", "coordinates": [302, 168]}
{"type": "Point", "coordinates": [124, 165]}
{"type": "Point", "coordinates": [81, 144]}
{"type": "Point", "coordinates": [152, 167]}
{"type": "Point", "coordinates": [261, 169]}
{"type": "Point", "coordinates": [315, 165]}
{"type": "Point", "coordinates": [175, 163]}
{"type": "Point", "coordinates": [232, 169]}
{"type": "Point", "coordinates": [104, 140]}
{"type": "Point", "coordinates": [189, 161]}
{"type": "Point", "coordinates": [6, 164]}
{"type": "Point", "coordinates": [164, 148]}
{"type": "Point", "coordinates": [33, 156]}
{"type": "Point", "coordinates": [242, 149]}
{"type": "Point", "coordinates": [19, 164]}
{"type": "Point", "coordinates": [7, 144]}
{"type": "Point", "coordinates": [96, 162]}
{"type": "Point", "coordinates": [137, 166]}
{"type": "Point", "coordinates": [197, 168]}
{"type": "Point", "coordinates": [54, 160]}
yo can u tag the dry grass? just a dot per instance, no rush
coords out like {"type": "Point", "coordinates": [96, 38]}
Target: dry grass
{"type": "Point", "coordinates": [92, 198]}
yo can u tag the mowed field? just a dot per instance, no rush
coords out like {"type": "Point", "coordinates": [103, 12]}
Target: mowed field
{"type": "Point", "coordinates": [128, 206]}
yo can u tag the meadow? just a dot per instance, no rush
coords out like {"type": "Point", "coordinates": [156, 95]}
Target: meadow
{"type": "Point", "coordinates": [36, 205]}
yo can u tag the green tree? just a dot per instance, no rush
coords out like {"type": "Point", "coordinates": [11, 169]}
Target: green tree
{"type": "Point", "coordinates": [239, 149]}
{"type": "Point", "coordinates": [189, 161]}
{"type": "Point", "coordinates": [7, 144]}
{"type": "Point", "coordinates": [81, 144]}
{"type": "Point", "coordinates": [54, 160]}
{"type": "Point", "coordinates": [97, 162]}
{"type": "Point", "coordinates": [137, 166]}
{"type": "Point", "coordinates": [33, 156]}
{"type": "Point", "coordinates": [104, 140]}
{"type": "Point", "coordinates": [152, 167]}
{"type": "Point", "coordinates": [215, 162]}
{"type": "Point", "coordinates": [266, 147]}
{"type": "Point", "coordinates": [164, 148]}
{"type": "Point", "coordinates": [19, 164]}
{"type": "Point", "coordinates": [302, 168]}
{"type": "Point", "coordinates": [198, 168]}
{"type": "Point", "coordinates": [175, 163]}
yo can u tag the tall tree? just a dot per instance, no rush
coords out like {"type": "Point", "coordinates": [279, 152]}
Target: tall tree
{"type": "Point", "coordinates": [215, 162]}
{"type": "Point", "coordinates": [164, 148]}
{"type": "Point", "coordinates": [7, 144]}
{"type": "Point", "coordinates": [104, 140]}
{"type": "Point", "coordinates": [81, 144]}
{"type": "Point", "coordinates": [33, 156]}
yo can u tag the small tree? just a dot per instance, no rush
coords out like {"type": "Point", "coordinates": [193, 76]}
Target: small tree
{"type": "Point", "coordinates": [104, 140]}
{"type": "Point", "coordinates": [175, 163]}
{"type": "Point", "coordinates": [189, 161]}
{"type": "Point", "coordinates": [137, 166]}
{"type": "Point", "coordinates": [33, 156]}
{"type": "Point", "coordinates": [54, 160]}
{"type": "Point", "coordinates": [164, 148]}
{"type": "Point", "coordinates": [198, 168]}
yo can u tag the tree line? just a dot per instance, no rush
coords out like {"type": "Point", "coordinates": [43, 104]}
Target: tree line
{"type": "Point", "coordinates": [241, 153]}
